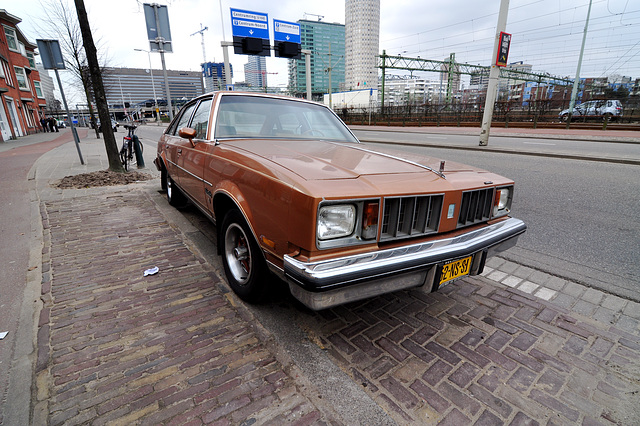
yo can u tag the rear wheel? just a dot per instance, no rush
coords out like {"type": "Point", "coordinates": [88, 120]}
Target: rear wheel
{"type": "Point", "coordinates": [244, 266]}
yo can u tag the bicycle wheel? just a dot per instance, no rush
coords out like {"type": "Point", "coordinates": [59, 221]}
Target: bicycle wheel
{"type": "Point", "coordinates": [124, 155]}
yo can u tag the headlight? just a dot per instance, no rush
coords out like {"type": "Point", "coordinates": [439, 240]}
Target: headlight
{"type": "Point", "coordinates": [336, 221]}
{"type": "Point", "coordinates": [502, 204]}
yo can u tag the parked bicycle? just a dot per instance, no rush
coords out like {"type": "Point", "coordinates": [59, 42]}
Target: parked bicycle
{"type": "Point", "coordinates": [131, 151]}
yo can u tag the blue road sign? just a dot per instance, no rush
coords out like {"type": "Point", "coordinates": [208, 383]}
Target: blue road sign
{"type": "Point", "coordinates": [245, 23]}
{"type": "Point", "coordinates": [286, 31]}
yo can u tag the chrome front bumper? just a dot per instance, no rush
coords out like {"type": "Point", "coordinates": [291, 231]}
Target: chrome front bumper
{"type": "Point", "coordinates": [327, 283]}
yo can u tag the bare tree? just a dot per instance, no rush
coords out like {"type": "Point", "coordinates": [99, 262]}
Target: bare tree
{"type": "Point", "coordinates": [98, 88]}
{"type": "Point", "coordinates": [60, 22]}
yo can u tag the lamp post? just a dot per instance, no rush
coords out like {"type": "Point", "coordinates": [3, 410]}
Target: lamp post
{"type": "Point", "coordinates": [155, 99]}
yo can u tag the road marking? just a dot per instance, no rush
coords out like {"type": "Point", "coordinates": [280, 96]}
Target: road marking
{"type": "Point", "coordinates": [539, 143]}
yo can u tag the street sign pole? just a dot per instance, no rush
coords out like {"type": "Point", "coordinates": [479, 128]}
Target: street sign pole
{"type": "Point", "coordinates": [70, 118]}
{"type": "Point", "coordinates": [494, 74]}
{"type": "Point", "coordinates": [160, 40]}
{"type": "Point", "coordinates": [227, 68]}
{"type": "Point", "coordinates": [52, 59]}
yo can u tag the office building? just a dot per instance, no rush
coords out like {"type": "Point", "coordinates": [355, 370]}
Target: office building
{"type": "Point", "coordinates": [326, 41]}
{"type": "Point", "coordinates": [255, 72]}
{"type": "Point", "coordinates": [362, 39]}
{"type": "Point", "coordinates": [133, 87]}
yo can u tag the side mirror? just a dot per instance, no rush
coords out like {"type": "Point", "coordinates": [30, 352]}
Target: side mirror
{"type": "Point", "coordinates": [187, 133]}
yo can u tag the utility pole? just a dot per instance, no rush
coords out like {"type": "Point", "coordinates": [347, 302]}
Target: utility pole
{"type": "Point", "coordinates": [576, 82]}
{"type": "Point", "coordinates": [329, 69]}
{"type": "Point", "coordinates": [494, 74]}
{"type": "Point", "coordinates": [98, 88]}
{"type": "Point", "coordinates": [225, 52]}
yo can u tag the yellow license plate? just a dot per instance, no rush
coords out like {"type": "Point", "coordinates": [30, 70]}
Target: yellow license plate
{"type": "Point", "coordinates": [455, 269]}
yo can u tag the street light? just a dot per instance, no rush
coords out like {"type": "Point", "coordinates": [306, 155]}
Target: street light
{"type": "Point", "coordinates": [155, 99]}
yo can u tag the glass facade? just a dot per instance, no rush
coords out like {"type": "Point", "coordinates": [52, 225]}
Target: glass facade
{"type": "Point", "coordinates": [326, 42]}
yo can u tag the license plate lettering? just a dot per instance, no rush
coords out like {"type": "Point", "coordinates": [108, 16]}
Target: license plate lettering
{"type": "Point", "coordinates": [455, 269]}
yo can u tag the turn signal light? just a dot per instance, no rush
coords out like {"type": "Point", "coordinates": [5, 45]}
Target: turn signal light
{"type": "Point", "coordinates": [370, 220]}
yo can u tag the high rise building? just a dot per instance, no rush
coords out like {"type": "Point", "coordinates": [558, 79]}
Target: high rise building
{"type": "Point", "coordinates": [326, 42]}
{"type": "Point", "coordinates": [214, 78]}
{"type": "Point", "coordinates": [255, 72]}
{"type": "Point", "coordinates": [362, 39]}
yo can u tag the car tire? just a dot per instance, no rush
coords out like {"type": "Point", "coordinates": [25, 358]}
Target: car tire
{"type": "Point", "coordinates": [163, 176]}
{"type": "Point", "coordinates": [608, 117]}
{"type": "Point", "coordinates": [175, 197]}
{"type": "Point", "coordinates": [244, 264]}
{"type": "Point", "coordinates": [564, 118]}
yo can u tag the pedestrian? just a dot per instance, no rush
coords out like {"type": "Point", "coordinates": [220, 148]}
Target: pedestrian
{"type": "Point", "coordinates": [52, 124]}
{"type": "Point", "coordinates": [43, 122]}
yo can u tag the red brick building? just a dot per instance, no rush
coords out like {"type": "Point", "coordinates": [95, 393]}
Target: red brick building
{"type": "Point", "coordinates": [22, 100]}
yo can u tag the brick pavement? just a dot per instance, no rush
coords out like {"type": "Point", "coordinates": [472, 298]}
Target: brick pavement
{"type": "Point", "coordinates": [512, 347]}
{"type": "Point", "coordinates": [115, 347]}
{"type": "Point", "coordinates": [479, 353]}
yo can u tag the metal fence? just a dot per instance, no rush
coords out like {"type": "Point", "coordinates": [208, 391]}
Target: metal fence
{"type": "Point", "coordinates": [542, 113]}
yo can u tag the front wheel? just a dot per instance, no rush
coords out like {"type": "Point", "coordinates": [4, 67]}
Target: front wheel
{"type": "Point", "coordinates": [175, 197]}
{"type": "Point", "coordinates": [124, 156]}
{"type": "Point", "coordinates": [244, 266]}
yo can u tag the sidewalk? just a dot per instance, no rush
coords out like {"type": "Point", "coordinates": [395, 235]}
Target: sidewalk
{"type": "Point", "coordinates": [513, 346]}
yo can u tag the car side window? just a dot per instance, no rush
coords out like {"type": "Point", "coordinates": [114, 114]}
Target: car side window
{"type": "Point", "coordinates": [200, 121]}
{"type": "Point", "coordinates": [183, 121]}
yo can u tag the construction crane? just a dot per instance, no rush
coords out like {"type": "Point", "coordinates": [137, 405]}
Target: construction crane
{"type": "Point", "coordinates": [201, 32]}
{"type": "Point", "coordinates": [320, 17]}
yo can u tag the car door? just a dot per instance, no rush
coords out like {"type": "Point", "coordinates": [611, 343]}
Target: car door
{"type": "Point", "coordinates": [192, 158]}
{"type": "Point", "coordinates": [175, 144]}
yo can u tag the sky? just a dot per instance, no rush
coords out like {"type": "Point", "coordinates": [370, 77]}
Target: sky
{"type": "Point", "coordinates": [545, 33]}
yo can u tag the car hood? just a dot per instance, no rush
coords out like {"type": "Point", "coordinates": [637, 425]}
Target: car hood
{"type": "Point", "coordinates": [325, 160]}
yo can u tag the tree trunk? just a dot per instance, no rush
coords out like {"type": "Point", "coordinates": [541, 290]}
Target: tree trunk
{"type": "Point", "coordinates": [98, 88]}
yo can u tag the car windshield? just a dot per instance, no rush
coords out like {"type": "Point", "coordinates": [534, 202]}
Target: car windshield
{"type": "Point", "coordinates": [262, 117]}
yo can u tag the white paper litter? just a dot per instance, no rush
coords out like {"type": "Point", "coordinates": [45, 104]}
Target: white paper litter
{"type": "Point", "coordinates": [151, 271]}
{"type": "Point", "coordinates": [3, 334]}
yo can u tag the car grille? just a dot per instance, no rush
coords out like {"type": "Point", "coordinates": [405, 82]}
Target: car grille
{"type": "Point", "coordinates": [475, 206]}
{"type": "Point", "coordinates": [405, 217]}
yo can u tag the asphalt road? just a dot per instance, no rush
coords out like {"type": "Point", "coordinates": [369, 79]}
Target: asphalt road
{"type": "Point", "coordinates": [582, 215]}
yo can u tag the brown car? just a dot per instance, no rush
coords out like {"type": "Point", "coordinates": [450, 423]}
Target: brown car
{"type": "Point", "coordinates": [292, 191]}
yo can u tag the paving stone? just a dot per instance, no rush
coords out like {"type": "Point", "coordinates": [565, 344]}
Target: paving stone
{"type": "Point", "coordinates": [523, 272]}
{"type": "Point", "coordinates": [528, 287]}
{"type": "Point", "coordinates": [564, 300]}
{"type": "Point", "coordinates": [584, 307]}
{"type": "Point", "coordinates": [511, 281]}
{"type": "Point", "coordinates": [632, 309]}
{"type": "Point", "coordinates": [614, 303]}
{"type": "Point", "coordinates": [545, 293]}
{"type": "Point", "coordinates": [573, 289]}
{"type": "Point", "coordinates": [497, 276]}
